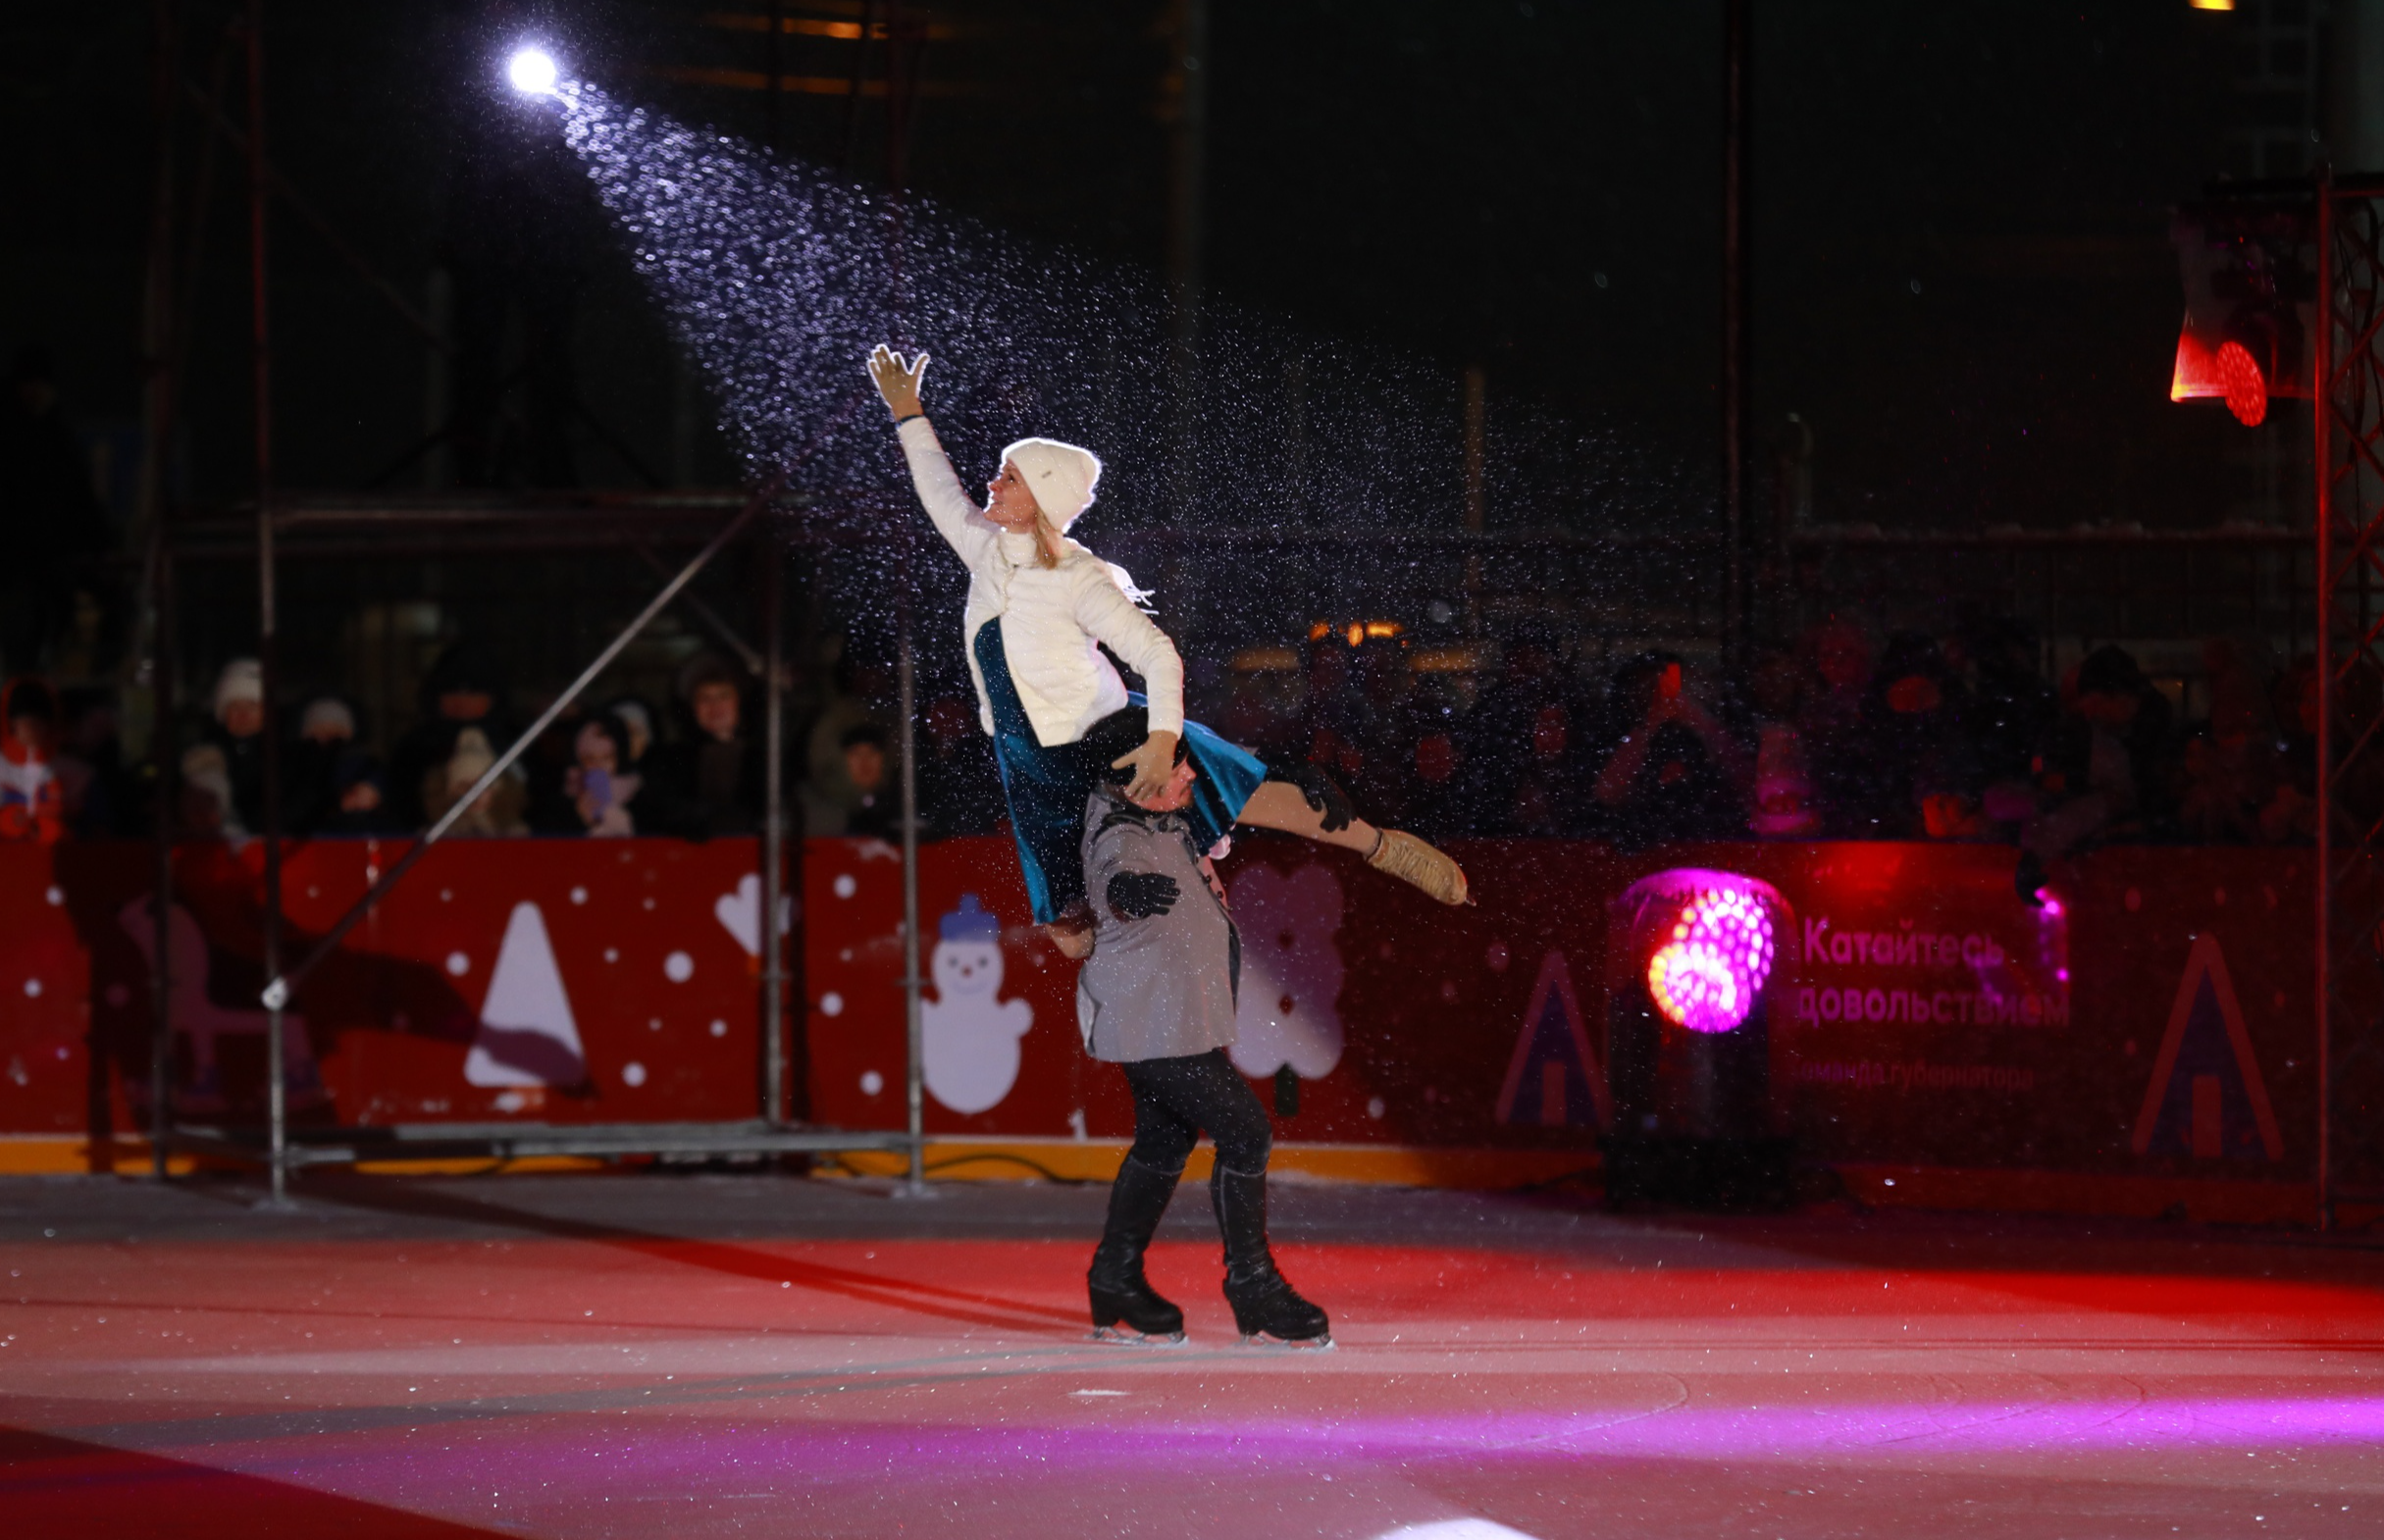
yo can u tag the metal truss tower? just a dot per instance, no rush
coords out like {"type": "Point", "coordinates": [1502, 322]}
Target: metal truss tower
{"type": "Point", "coordinates": [2349, 771]}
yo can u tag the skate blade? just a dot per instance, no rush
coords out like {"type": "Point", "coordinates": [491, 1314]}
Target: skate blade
{"type": "Point", "coordinates": [1124, 1337]}
{"type": "Point", "coordinates": [1263, 1339]}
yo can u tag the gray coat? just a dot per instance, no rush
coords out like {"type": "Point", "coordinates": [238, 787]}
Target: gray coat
{"type": "Point", "coordinates": [1161, 986]}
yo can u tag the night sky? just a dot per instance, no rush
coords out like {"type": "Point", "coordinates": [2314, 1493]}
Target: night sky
{"type": "Point", "coordinates": [1963, 281]}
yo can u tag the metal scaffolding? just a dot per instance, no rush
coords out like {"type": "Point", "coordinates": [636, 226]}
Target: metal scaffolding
{"type": "Point", "coordinates": [2349, 453]}
{"type": "Point", "coordinates": [280, 527]}
{"type": "Point", "coordinates": [297, 529]}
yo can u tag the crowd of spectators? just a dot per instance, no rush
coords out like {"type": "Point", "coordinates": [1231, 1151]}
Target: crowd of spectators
{"type": "Point", "coordinates": [600, 771]}
{"type": "Point", "coordinates": [695, 770]}
{"type": "Point", "coordinates": [1840, 735]}
{"type": "Point", "coordinates": [1844, 733]}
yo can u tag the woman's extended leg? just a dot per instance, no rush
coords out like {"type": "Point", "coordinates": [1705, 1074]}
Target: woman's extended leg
{"type": "Point", "coordinates": [1283, 806]}
{"type": "Point", "coordinates": [1312, 815]}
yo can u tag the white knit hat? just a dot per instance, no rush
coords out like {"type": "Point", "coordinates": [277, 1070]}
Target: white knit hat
{"type": "Point", "coordinates": [327, 714]}
{"type": "Point", "coordinates": [242, 679]}
{"type": "Point", "coordinates": [468, 760]}
{"type": "Point", "coordinates": [1059, 475]}
{"type": "Point", "coordinates": [205, 770]}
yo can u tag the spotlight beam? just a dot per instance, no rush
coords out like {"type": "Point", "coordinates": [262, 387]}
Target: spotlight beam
{"type": "Point", "coordinates": [532, 72]}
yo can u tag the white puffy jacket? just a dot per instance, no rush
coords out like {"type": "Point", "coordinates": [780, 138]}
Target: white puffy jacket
{"type": "Point", "coordinates": [1051, 617]}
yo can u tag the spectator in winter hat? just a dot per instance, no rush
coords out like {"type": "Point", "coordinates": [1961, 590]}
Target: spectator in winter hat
{"type": "Point", "coordinates": [326, 726]}
{"type": "Point", "coordinates": [238, 732]}
{"type": "Point", "coordinates": [858, 692]}
{"type": "Point", "coordinates": [326, 719]}
{"type": "Point", "coordinates": [240, 698]}
{"type": "Point", "coordinates": [638, 718]}
{"type": "Point", "coordinates": [878, 814]}
{"type": "Point", "coordinates": [607, 797]}
{"type": "Point", "coordinates": [359, 801]}
{"type": "Point", "coordinates": [205, 809]}
{"type": "Point", "coordinates": [2099, 776]}
{"type": "Point", "coordinates": [499, 810]}
{"type": "Point", "coordinates": [1671, 771]}
{"type": "Point", "coordinates": [30, 804]}
{"type": "Point", "coordinates": [463, 689]}
{"type": "Point", "coordinates": [710, 779]}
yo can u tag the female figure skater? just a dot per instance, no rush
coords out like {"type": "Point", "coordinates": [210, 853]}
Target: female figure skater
{"type": "Point", "coordinates": [1157, 998]}
{"type": "Point", "coordinates": [1038, 602]}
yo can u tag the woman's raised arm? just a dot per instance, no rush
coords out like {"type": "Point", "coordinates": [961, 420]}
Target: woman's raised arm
{"type": "Point", "coordinates": [932, 477]}
{"type": "Point", "coordinates": [897, 381]}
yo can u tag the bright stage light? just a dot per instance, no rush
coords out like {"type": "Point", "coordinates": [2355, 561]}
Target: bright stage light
{"type": "Point", "coordinates": [1696, 958]}
{"type": "Point", "coordinates": [2246, 388]}
{"type": "Point", "coordinates": [2247, 317]}
{"type": "Point", "coordinates": [532, 72]}
{"type": "Point", "coordinates": [1707, 973]}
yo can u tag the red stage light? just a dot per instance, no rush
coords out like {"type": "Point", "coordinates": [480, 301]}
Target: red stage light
{"type": "Point", "coordinates": [2246, 388]}
{"type": "Point", "coordinates": [2248, 308]}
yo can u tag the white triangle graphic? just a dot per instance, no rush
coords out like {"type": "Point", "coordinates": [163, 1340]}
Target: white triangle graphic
{"type": "Point", "coordinates": [2206, 961]}
{"type": "Point", "coordinates": [528, 1036]}
{"type": "Point", "coordinates": [1555, 980]}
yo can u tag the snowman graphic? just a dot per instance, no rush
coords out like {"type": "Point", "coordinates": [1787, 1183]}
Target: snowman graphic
{"type": "Point", "coordinates": [970, 1036]}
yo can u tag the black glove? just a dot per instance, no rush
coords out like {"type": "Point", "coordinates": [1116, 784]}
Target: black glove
{"type": "Point", "coordinates": [1138, 896]}
{"type": "Point", "coordinates": [1323, 797]}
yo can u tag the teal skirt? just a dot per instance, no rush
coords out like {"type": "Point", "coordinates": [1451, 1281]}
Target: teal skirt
{"type": "Point", "coordinates": [1047, 788]}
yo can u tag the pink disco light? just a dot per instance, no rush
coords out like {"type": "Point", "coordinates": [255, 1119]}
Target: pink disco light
{"type": "Point", "coordinates": [1710, 968]}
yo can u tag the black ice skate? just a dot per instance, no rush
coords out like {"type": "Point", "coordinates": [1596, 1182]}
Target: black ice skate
{"type": "Point", "coordinates": [1125, 1307]}
{"type": "Point", "coordinates": [1136, 1315]}
{"type": "Point", "coordinates": [1265, 1306]}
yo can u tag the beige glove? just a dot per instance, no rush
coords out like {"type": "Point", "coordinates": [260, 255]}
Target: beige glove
{"type": "Point", "coordinates": [1154, 766]}
{"type": "Point", "coordinates": [897, 380]}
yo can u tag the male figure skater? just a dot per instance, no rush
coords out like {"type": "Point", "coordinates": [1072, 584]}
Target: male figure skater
{"type": "Point", "coordinates": [1156, 1000]}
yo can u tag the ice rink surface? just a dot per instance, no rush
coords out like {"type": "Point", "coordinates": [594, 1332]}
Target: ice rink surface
{"type": "Point", "coordinates": [708, 1355]}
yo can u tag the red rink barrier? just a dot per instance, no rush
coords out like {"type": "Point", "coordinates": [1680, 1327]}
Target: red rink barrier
{"type": "Point", "coordinates": [2154, 1020]}
{"type": "Point", "coordinates": [553, 981]}
{"type": "Point", "coordinates": [2154, 1025]}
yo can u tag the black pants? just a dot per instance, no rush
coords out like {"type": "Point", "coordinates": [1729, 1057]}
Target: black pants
{"type": "Point", "coordinates": [1176, 1100]}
